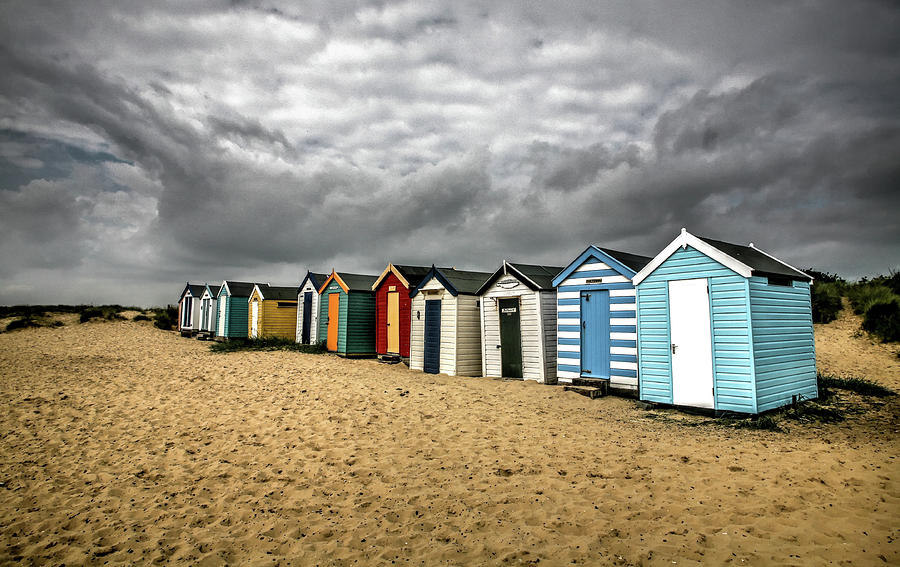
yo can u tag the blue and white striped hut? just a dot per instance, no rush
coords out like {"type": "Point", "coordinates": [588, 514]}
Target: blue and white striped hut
{"type": "Point", "coordinates": [596, 333]}
{"type": "Point", "coordinates": [725, 327]}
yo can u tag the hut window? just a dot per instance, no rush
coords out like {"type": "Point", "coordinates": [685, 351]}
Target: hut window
{"type": "Point", "coordinates": [285, 304]}
{"type": "Point", "coordinates": [780, 280]}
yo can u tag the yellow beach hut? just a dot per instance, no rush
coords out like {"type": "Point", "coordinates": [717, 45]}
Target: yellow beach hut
{"type": "Point", "coordinates": [272, 312]}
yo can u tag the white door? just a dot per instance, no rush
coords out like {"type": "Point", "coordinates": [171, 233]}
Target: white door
{"type": "Point", "coordinates": [222, 304]}
{"type": "Point", "coordinates": [204, 315]}
{"type": "Point", "coordinates": [254, 314]}
{"type": "Point", "coordinates": [211, 322]}
{"type": "Point", "coordinates": [692, 375]}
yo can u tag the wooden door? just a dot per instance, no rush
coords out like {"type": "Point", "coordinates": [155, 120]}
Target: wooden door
{"type": "Point", "coordinates": [393, 322]}
{"type": "Point", "coordinates": [254, 319]}
{"type": "Point", "coordinates": [222, 304]}
{"type": "Point", "coordinates": [307, 317]}
{"type": "Point", "coordinates": [595, 334]}
{"type": "Point", "coordinates": [691, 346]}
{"type": "Point", "coordinates": [510, 338]}
{"type": "Point", "coordinates": [432, 362]}
{"type": "Point", "coordinates": [186, 306]}
{"type": "Point", "coordinates": [334, 310]}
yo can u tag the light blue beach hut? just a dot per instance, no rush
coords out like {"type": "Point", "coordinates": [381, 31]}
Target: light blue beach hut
{"type": "Point", "coordinates": [595, 310]}
{"type": "Point", "coordinates": [725, 327]}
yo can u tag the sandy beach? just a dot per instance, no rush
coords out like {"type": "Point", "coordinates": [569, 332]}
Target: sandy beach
{"type": "Point", "coordinates": [125, 444]}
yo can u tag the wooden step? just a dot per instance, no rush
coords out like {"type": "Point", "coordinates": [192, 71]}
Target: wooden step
{"type": "Point", "coordinates": [589, 391]}
{"type": "Point", "coordinates": [602, 383]}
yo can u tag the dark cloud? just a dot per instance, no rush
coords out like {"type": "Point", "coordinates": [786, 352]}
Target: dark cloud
{"type": "Point", "coordinates": [143, 145]}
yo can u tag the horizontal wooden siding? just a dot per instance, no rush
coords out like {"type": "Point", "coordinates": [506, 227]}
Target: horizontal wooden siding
{"type": "Point", "coordinates": [623, 323]}
{"type": "Point", "coordinates": [731, 331]}
{"type": "Point", "coordinates": [783, 343]}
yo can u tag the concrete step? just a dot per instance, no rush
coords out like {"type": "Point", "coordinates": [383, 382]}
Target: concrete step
{"type": "Point", "coordinates": [389, 358]}
{"type": "Point", "coordinates": [589, 391]}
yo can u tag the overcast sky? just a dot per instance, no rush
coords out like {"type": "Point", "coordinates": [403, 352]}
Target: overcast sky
{"type": "Point", "coordinates": [148, 145]}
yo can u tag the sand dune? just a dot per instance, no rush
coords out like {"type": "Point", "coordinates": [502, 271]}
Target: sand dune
{"type": "Point", "coordinates": [125, 444]}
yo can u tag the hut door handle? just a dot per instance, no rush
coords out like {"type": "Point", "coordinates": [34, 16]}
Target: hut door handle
{"type": "Point", "coordinates": [584, 324]}
{"type": "Point", "coordinates": [674, 346]}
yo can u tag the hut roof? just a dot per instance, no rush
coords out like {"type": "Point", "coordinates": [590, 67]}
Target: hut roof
{"type": "Point", "coordinates": [316, 279]}
{"type": "Point", "coordinates": [195, 289]}
{"type": "Point", "coordinates": [455, 281]}
{"type": "Point", "coordinates": [357, 282]}
{"type": "Point", "coordinates": [534, 276]}
{"type": "Point", "coordinates": [278, 292]}
{"type": "Point", "coordinates": [623, 262]}
{"type": "Point", "coordinates": [744, 260]}
{"type": "Point", "coordinates": [759, 261]}
{"type": "Point", "coordinates": [633, 261]}
{"type": "Point", "coordinates": [239, 289]}
{"type": "Point", "coordinates": [411, 275]}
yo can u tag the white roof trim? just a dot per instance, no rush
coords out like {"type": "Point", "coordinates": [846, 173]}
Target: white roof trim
{"type": "Point", "coordinates": [780, 261]}
{"type": "Point", "coordinates": [256, 287]}
{"type": "Point", "coordinates": [688, 239]}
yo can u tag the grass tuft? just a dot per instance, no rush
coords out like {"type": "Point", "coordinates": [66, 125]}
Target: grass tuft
{"type": "Point", "coordinates": [22, 323]}
{"type": "Point", "coordinates": [763, 422]}
{"type": "Point", "coordinates": [858, 385]}
{"type": "Point", "coordinates": [266, 344]}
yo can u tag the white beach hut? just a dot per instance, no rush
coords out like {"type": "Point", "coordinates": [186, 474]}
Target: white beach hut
{"type": "Point", "coordinates": [518, 322]}
{"type": "Point", "coordinates": [445, 332]}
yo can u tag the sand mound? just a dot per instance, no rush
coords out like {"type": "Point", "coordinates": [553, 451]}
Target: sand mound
{"type": "Point", "coordinates": [125, 444]}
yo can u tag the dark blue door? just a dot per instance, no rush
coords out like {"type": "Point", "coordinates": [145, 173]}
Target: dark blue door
{"type": "Point", "coordinates": [595, 334]}
{"type": "Point", "coordinates": [307, 317]}
{"type": "Point", "coordinates": [432, 363]}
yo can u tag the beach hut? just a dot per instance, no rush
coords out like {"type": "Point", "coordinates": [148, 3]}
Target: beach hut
{"type": "Point", "coordinates": [518, 322]}
{"type": "Point", "coordinates": [232, 307]}
{"type": "Point", "coordinates": [445, 334]}
{"type": "Point", "coordinates": [308, 307]}
{"type": "Point", "coordinates": [595, 310]}
{"type": "Point", "coordinates": [392, 308]}
{"type": "Point", "coordinates": [189, 309]}
{"type": "Point", "coordinates": [347, 314]}
{"type": "Point", "coordinates": [272, 312]}
{"type": "Point", "coordinates": [725, 327]}
{"type": "Point", "coordinates": [208, 311]}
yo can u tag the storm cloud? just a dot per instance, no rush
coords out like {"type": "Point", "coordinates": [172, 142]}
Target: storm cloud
{"type": "Point", "coordinates": [143, 146]}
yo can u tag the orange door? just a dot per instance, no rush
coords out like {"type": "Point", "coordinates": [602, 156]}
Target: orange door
{"type": "Point", "coordinates": [334, 308]}
{"type": "Point", "coordinates": [393, 321]}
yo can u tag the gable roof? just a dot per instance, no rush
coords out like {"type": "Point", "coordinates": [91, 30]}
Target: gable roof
{"type": "Point", "coordinates": [316, 279]}
{"type": "Point", "coordinates": [350, 282]}
{"type": "Point", "coordinates": [633, 261]}
{"type": "Point", "coordinates": [746, 261]}
{"type": "Point", "coordinates": [213, 290]}
{"type": "Point", "coordinates": [625, 263]}
{"type": "Point", "coordinates": [533, 276]}
{"type": "Point", "coordinates": [195, 289]}
{"type": "Point", "coordinates": [237, 289]}
{"type": "Point", "coordinates": [455, 281]}
{"type": "Point", "coordinates": [761, 262]}
{"type": "Point", "coordinates": [409, 276]}
{"type": "Point", "coordinates": [277, 292]}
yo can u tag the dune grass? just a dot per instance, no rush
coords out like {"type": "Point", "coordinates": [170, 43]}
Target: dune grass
{"type": "Point", "coordinates": [266, 344]}
{"type": "Point", "coordinates": [859, 385]}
